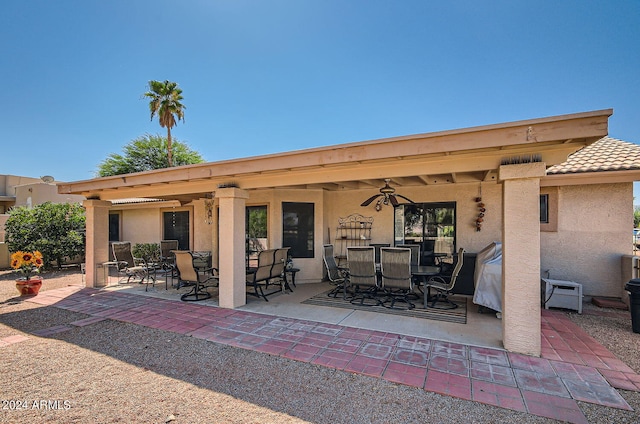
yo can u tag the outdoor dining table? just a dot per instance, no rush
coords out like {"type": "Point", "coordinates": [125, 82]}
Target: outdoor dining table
{"type": "Point", "coordinates": [424, 271]}
{"type": "Point", "coordinates": [421, 272]}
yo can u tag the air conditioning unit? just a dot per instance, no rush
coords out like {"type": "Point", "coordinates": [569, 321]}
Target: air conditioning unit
{"type": "Point", "coordinates": [562, 294]}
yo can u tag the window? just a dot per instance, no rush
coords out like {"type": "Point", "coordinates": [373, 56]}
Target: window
{"type": "Point", "coordinates": [176, 227]}
{"type": "Point", "coordinates": [548, 209]}
{"type": "Point", "coordinates": [256, 229]}
{"type": "Point", "coordinates": [432, 225]}
{"type": "Point", "coordinates": [544, 208]}
{"type": "Point", "coordinates": [114, 227]}
{"type": "Point", "coordinates": [298, 229]}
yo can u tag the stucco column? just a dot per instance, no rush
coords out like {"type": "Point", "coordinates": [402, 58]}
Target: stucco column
{"type": "Point", "coordinates": [97, 240]}
{"type": "Point", "coordinates": [521, 257]}
{"type": "Point", "coordinates": [232, 267]}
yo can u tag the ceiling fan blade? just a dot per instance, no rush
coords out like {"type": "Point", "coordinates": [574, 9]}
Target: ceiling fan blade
{"type": "Point", "coordinates": [405, 198]}
{"type": "Point", "coordinates": [369, 200]}
{"type": "Point", "coordinates": [393, 200]}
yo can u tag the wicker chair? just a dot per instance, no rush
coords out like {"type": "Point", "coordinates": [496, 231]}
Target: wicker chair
{"type": "Point", "coordinates": [397, 281]}
{"type": "Point", "coordinates": [443, 284]}
{"type": "Point", "coordinates": [362, 275]}
{"type": "Point", "coordinates": [187, 273]}
{"type": "Point", "coordinates": [337, 276]}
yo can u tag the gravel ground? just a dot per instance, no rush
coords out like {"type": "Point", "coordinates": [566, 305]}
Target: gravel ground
{"type": "Point", "coordinates": [116, 372]}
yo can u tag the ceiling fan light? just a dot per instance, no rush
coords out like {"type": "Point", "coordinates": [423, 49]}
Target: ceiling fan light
{"type": "Point", "coordinates": [387, 196]}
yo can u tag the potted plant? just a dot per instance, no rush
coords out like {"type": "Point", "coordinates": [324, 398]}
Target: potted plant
{"type": "Point", "coordinates": [28, 263]}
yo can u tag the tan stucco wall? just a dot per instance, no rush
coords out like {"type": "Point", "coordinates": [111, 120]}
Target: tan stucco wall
{"type": "Point", "coordinates": [38, 193]}
{"type": "Point", "coordinates": [594, 231]}
{"type": "Point", "coordinates": [579, 251]}
{"type": "Point", "coordinates": [520, 257]}
{"type": "Point", "coordinates": [9, 182]}
{"type": "Point", "coordinates": [199, 226]}
{"type": "Point", "coordinates": [341, 204]}
{"type": "Point", "coordinates": [5, 258]}
{"type": "Point", "coordinates": [141, 226]}
{"type": "Point", "coordinates": [310, 268]}
{"type": "Point", "coordinates": [3, 220]}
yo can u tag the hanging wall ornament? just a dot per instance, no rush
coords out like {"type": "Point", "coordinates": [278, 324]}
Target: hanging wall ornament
{"type": "Point", "coordinates": [481, 209]}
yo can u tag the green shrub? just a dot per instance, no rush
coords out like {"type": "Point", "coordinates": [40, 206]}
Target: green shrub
{"type": "Point", "coordinates": [150, 252]}
{"type": "Point", "coordinates": [57, 230]}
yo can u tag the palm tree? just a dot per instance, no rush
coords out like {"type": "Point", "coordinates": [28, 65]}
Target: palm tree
{"type": "Point", "coordinates": [165, 101]}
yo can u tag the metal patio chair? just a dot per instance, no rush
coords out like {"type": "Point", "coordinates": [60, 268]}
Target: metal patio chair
{"type": "Point", "coordinates": [362, 275]}
{"type": "Point", "coordinates": [397, 280]}
{"type": "Point", "coordinates": [187, 273]}
{"type": "Point", "coordinates": [168, 260]}
{"type": "Point", "coordinates": [443, 284]}
{"type": "Point", "coordinates": [338, 276]}
{"type": "Point", "coordinates": [129, 266]}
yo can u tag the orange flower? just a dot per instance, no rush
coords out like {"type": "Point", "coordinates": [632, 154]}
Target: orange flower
{"type": "Point", "coordinates": [27, 262]}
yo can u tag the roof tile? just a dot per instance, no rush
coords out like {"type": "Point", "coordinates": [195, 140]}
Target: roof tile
{"type": "Point", "coordinates": [606, 154]}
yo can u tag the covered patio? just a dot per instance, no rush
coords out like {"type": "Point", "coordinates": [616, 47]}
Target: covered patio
{"type": "Point", "coordinates": [504, 162]}
{"type": "Point", "coordinates": [477, 329]}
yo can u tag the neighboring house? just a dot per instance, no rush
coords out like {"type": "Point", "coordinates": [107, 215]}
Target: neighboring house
{"type": "Point", "coordinates": [26, 191]}
{"type": "Point", "coordinates": [301, 195]}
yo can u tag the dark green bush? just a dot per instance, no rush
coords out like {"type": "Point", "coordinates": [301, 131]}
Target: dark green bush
{"type": "Point", "coordinates": [150, 252]}
{"type": "Point", "coordinates": [57, 230]}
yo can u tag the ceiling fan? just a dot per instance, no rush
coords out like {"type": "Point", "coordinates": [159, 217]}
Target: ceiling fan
{"type": "Point", "coordinates": [386, 196]}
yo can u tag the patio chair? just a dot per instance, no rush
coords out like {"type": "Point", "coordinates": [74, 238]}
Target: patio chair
{"type": "Point", "coordinates": [279, 262]}
{"type": "Point", "coordinates": [415, 252]}
{"type": "Point", "coordinates": [166, 252]}
{"type": "Point", "coordinates": [377, 246]}
{"type": "Point", "coordinates": [362, 275]}
{"type": "Point", "coordinates": [187, 273]}
{"type": "Point", "coordinates": [269, 270]}
{"type": "Point", "coordinates": [129, 266]}
{"type": "Point", "coordinates": [168, 260]}
{"type": "Point", "coordinates": [397, 280]}
{"type": "Point", "coordinates": [337, 276]}
{"type": "Point", "coordinates": [415, 261]}
{"type": "Point", "coordinates": [443, 284]}
{"type": "Point", "coordinates": [428, 253]}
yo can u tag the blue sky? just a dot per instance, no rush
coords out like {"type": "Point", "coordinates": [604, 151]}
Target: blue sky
{"type": "Point", "coordinates": [264, 76]}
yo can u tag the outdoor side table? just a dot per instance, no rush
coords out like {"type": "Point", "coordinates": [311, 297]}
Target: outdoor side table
{"type": "Point", "coordinates": [106, 268]}
{"type": "Point", "coordinates": [293, 272]}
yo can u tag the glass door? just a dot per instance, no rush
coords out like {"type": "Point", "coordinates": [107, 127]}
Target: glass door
{"type": "Point", "coordinates": [256, 228]}
{"type": "Point", "coordinates": [431, 225]}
